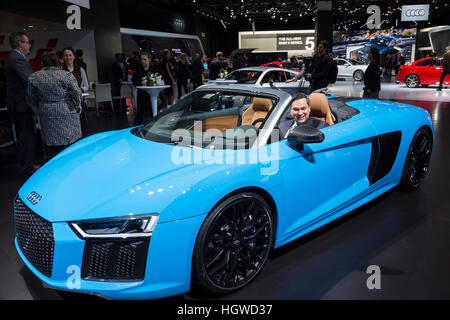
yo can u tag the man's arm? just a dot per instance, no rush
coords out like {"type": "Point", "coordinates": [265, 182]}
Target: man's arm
{"type": "Point", "coordinates": [22, 69]}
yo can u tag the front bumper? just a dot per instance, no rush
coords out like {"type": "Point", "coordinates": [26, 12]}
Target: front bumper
{"type": "Point", "coordinates": [167, 273]}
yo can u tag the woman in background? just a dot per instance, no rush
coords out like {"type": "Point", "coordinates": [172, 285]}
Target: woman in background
{"type": "Point", "coordinates": [70, 64]}
{"type": "Point", "coordinates": [55, 96]}
{"type": "Point", "coordinates": [183, 74]}
{"type": "Point", "coordinates": [197, 69]}
{"type": "Point", "coordinates": [167, 72]}
{"type": "Point", "coordinates": [372, 75]}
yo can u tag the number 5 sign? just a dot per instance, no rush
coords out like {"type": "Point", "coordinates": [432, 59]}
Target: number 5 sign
{"type": "Point", "coordinates": [309, 45]}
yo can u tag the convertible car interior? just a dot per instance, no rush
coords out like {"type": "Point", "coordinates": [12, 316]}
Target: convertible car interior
{"type": "Point", "coordinates": [224, 112]}
{"type": "Point", "coordinates": [243, 111]}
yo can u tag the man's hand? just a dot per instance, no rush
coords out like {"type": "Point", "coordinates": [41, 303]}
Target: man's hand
{"type": "Point", "coordinates": [78, 108]}
{"type": "Point", "coordinates": [308, 75]}
{"type": "Point", "coordinates": [290, 80]}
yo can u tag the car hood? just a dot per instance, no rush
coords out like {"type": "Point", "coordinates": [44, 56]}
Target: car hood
{"type": "Point", "coordinates": [97, 170]}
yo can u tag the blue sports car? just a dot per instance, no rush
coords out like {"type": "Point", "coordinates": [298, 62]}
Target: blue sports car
{"type": "Point", "coordinates": [202, 193]}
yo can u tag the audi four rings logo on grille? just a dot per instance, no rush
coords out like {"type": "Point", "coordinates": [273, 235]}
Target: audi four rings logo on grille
{"type": "Point", "coordinates": [34, 197]}
{"type": "Point", "coordinates": [415, 12]}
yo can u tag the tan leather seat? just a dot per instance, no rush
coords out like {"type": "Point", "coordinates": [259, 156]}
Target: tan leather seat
{"type": "Point", "coordinates": [320, 109]}
{"type": "Point", "coordinates": [258, 110]}
{"type": "Point", "coordinates": [220, 123]}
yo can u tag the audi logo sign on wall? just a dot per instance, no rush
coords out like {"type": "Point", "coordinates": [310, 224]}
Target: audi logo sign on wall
{"type": "Point", "coordinates": [415, 12]}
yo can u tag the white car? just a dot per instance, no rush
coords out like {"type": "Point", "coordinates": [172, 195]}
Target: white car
{"type": "Point", "coordinates": [349, 68]}
{"type": "Point", "coordinates": [261, 76]}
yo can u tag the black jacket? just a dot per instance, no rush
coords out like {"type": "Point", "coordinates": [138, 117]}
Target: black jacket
{"type": "Point", "coordinates": [197, 68]}
{"type": "Point", "coordinates": [320, 69]}
{"type": "Point", "coordinates": [372, 78]}
{"type": "Point", "coordinates": [446, 61]}
{"type": "Point", "coordinates": [118, 74]}
{"type": "Point", "coordinates": [215, 67]}
{"type": "Point", "coordinates": [17, 70]}
{"type": "Point", "coordinates": [183, 70]}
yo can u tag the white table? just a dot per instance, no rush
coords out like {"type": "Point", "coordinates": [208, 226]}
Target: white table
{"type": "Point", "coordinates": [153, 92]}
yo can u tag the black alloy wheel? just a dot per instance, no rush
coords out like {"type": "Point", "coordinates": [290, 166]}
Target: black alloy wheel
{"type": "Point", "coordinates": [418, 161]}
{"type": "Point", "coordinates": [233, 244]}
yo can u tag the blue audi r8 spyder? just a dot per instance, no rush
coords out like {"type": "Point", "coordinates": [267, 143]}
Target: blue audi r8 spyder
{"type": "Point", "coordinates": [202, 193]}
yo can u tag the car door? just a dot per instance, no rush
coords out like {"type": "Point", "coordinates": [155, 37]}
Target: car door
{"type": "Point", "coordinates": [341, 67]}
{"type": "Point", "coordinates": [325, 177]}
{"type": "Point", "coordinates": [277, 76]}
{"type": "Point", "coordinates": [347, 69]}
{"type": "Point", "coordinates": [427, 71]}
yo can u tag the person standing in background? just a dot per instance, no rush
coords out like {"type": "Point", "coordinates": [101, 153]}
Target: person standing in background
{"type": "Point", "coordinates": [17, 71]}
{"type": "Point", "coordinates": [183, 74]}
{"type": "Point", "coordinates": [119, 74]}
{"type": "Point", "coordinates": [400, 62]}
{"type": "Point", "coordinates": [134, 61]}
{"type": "Point", "coordinates": [56, 97]}
{"type": "Point", "coordinates": [79, 59]}
{"type": "Point", "coordinates": [445, 67]}
{"type": "Point", "coordinates": [217, 65]}
{"type": "Point", "coordinates": [70, 64]}
{"type": "Point", "coordinates": [197, 70]}
{"type": "Point", "coordinates": [372, 79]}
{"type": "Point", "coordinates": [167, 72]}
{"type": "Point", "coordinates": [145, 68]}
{"type": "Point", "coordinates": [320, 68]}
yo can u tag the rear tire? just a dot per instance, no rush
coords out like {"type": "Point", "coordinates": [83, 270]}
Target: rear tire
{"type": "Point", "coordinates": [412, 81]}
{"type": "Point", "coordinates": [417, 161]}
{"type": "Point", "coordinates": [233, 244]}
{"type": "Point", "coordinates": [358, 75]}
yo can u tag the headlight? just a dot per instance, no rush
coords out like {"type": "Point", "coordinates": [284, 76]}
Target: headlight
{"type": "Point", "coordinates": [123, 227]}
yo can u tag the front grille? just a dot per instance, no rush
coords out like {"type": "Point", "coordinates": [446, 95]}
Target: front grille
{"type": "Point", "coordinates": [115, 260]}
{"type": "Point", "coordinates": [35, 237]}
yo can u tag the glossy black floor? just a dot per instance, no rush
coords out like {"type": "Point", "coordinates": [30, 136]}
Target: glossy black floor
{"type": "Point", "coordinates": [406, 234]}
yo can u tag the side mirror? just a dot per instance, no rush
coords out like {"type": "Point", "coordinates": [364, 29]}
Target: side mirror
{"type": "Point", "coordinates": [304, 134]}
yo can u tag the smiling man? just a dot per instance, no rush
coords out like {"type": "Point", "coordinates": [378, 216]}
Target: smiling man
{"type": "Point", "coordinates": [300, 111]}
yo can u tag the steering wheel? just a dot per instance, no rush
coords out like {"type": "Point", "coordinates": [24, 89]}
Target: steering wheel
{"type": "Point", "coordinates": [258, 120]}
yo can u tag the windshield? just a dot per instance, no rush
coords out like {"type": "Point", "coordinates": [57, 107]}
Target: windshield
{"type": "Point", "coordinates": [355, 62]}
{"type": "Point", "coordinates": [211, 119]}
{"type": "Point", "coordinates": [244, 76]}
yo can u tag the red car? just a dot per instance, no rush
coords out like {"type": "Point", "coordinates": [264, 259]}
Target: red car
{"type": "Point", "coordinates": [280, 64]}
{"type": "Point", "coordinates": [422, 72]}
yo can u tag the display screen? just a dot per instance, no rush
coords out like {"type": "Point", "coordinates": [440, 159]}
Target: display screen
{"type": "Point", "coordinates": [356, 44]}
{"type": "Point", "coordinates": [295, 41]}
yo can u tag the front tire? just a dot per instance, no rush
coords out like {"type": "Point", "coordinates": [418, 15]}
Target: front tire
{"type": "Point", "coordinates": [417, 161]}
{"type": "Point", "coordinates": [233, 244]}
{"type": "Point", "coordinates": [358, 75]}
{"type": "Point", "coordinates": [412, 81]}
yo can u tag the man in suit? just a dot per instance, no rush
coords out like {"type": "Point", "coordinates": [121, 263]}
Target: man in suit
{"type": "Point", "coordinates": [320, 68]}
{"type": "Point", "coordinates": [217, 65]}
{"type": "Point", "coordinates": [300, 111]}
{"type": "Point", "coordinates": [17, 72]}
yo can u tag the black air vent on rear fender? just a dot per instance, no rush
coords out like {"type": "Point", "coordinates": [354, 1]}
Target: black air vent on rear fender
{"type": "Point", "coordinates": [384, 152]}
